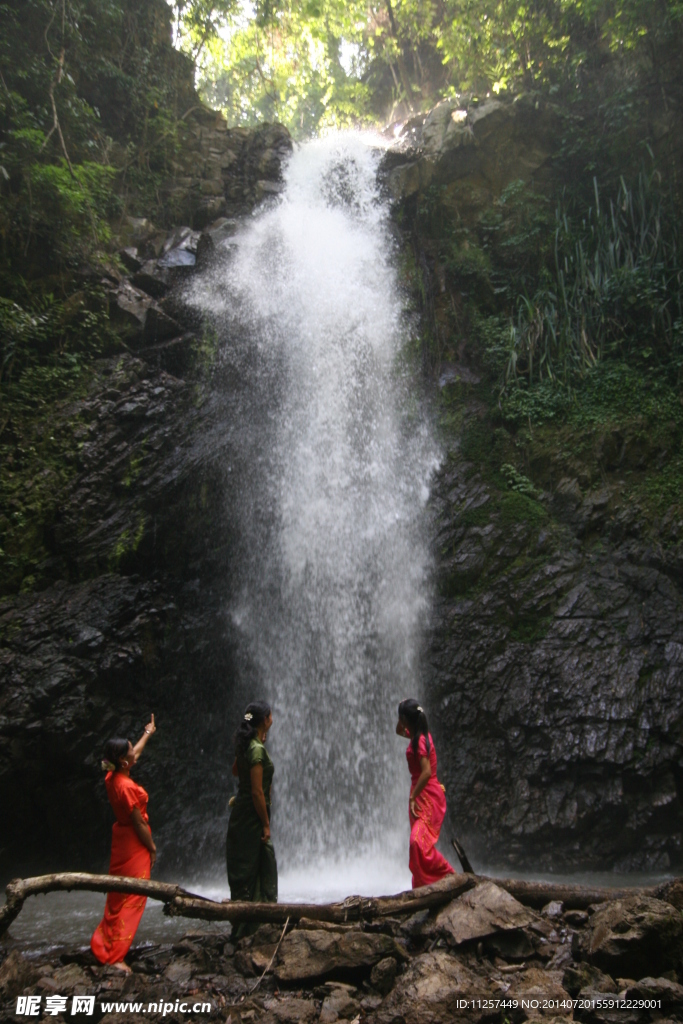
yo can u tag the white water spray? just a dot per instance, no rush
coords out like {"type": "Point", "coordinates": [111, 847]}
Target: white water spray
{"type": "Point", "coordinates": [335, 464]}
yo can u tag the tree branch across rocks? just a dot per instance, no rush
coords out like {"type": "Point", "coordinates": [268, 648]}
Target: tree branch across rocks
{"type": "Point", "coordinates": [181, 903]}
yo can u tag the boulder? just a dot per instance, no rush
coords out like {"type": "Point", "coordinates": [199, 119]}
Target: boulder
{"type": "Point", "coordinates": [552, 909]}
{"type": "Point", "coordinates": [16, 974]}
{"type": "Point", "coordinates": [514, 944]}
{"type": "Point", "coordinates": [582, 975]}
{"type": "Point", "coordinates": [668, 993]}
{"type": "Point", "coordinates": [152, 279]}
{"type": "Point", "coordinates": [131, 259]}
{"type": "Point", "coordinates": [634, 937]}
{"type": "Point", "coordinates": [138, 318]}
{"type": "Point", "coordinates": [291, 1010]}
{"type": "Point", "coordinates": [319, 954]}
{"type": "Point", "coordinates": [543, 990]}
{"type": "Point", "coordinates": [159, 326]}
{"type": "Point", "coordinates": [482, 911]}
{"type": "Point", "coordinates": [339, 1005]}
{"type": "Point", "coordinates": [430, 992]}
{"type": "Point", "coordinates": [128, 310]}
{"type": "Point", "coordinates": [176, 258]}
{"type": "Point", "coordinates": [383, 975]}
{"type": "Point", "coordinates": [72, 979]}
{"type": "Point", "coordinates": [445, 128]}
{"type": "Point", "coordinates": [475, 152]}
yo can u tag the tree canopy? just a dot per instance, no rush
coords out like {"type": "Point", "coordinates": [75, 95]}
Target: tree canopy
{"type": "Point", "coordinates": [325, 63]}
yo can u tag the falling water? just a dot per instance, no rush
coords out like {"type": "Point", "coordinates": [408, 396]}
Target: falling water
{"type": "Point", "coordinates": [333, 458]}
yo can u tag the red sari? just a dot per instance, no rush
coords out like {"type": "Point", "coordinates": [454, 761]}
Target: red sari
{"type": "Point", "coordinates": [129, 857]}
{"type": "Point", "coordinates": [426, 863]}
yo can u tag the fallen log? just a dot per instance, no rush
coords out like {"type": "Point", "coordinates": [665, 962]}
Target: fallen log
{"type": "Point", "coordinates": [574, 897]}
{"type": "Point", "coordinates": [181, 903]}
{"type": "Point", "coordinates": [355, 908]}
{"type": "Point", "coordinates": [19, 889]}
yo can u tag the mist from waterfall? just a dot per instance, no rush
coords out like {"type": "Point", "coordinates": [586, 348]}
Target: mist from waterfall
{"type": "Point", "coordinates": [333, 461]}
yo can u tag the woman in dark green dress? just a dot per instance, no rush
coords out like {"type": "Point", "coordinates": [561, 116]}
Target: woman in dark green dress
{"type": "Point", "coordinates": [252, 869]}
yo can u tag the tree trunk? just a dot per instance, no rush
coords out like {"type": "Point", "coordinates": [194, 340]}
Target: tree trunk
{"type": "Point", "coordinates": [181, 903]}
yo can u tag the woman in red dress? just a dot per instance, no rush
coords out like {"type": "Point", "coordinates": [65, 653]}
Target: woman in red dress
{"type": "Point", "coordinates": [427, 805]}
{"type": "Point", "coordinates": [133, 852]}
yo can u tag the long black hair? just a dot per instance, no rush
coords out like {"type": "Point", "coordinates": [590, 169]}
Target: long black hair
{"type": "Point", "coordinates": [113, 751]}
{"type": "Point", "coordinates": [411, 712]}
{"type": "Point", "coordinates": [255, 714]}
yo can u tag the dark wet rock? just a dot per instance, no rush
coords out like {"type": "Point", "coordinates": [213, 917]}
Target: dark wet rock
{"type": "Point", "coordinates": [122, 624]}
{"type": "Point", "coordinates": [584, 975]}
{"type": "Point", "coordinates": [543, 990]}
{"type": "Point", "coordinates": [576, 918]}
{"type": "Point", "coordinates": [383, 975]}
{"type": "Point", "coordinates": [431, 991]}
{"type": "Point", "coordinates": [17, 972]}
{"type": "Point", "coordinates": [482, 911]}
{"type": "Point", "coordinates": [634, 937]}
{"type": "Point", "coordinates": [206, 250]}
{"type": "Point", "coordinates": [318, 954]}
{"type": "Point", "coordinates": [668, 993]}
{"type": "Point", "coordinates": [291, 1009]}
{"type": "Point", "coordinates": [159, 326]}
{"type": "Point", "coordinates": [138, 317]}
{"type": "Point", "coordinates": [476, 151]}
{"type": "Point", "coordinates": [224, 171]}
{"type": "Point", "coordinates": [131, 259]}
{"type": "Point", "coordinates": [153, 278]}
{"type": "Point", "coordinates": [179, 971]}
{"type": "Point", "coordinates": [555, 679]}
{"type": "Point", "coordinates": [417, 923]}
{"type": "Point", "coordinates": [128, 310]}
{"type": "Point", "coordinates": [514, 946]}
{"type": "Point", "coordinates": [552, 910]}
{"type": "Point", "coordinates": [339, 1003]}
{"type": "Point", "coordinates": [176, 356]}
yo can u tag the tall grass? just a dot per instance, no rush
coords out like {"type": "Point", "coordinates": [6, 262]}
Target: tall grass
{"type": "Point", "coordinates": [615, 289]}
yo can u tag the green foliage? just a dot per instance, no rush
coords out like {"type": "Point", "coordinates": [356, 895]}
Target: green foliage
{"type": "Point", "coordinates": [286, 64]}
{"type": "Point", "coordinates": [324, 62]}
{"type": "Point", "coordinates": [517, 481]}
{"type": "Point", "coordinates": [520, 508]}
{"type": "Point", "coordinates": [617, 290]}
{"type": "Point", "coordinates": [91, 116]}
{"type": "Point", "coordinates": [46, 328]}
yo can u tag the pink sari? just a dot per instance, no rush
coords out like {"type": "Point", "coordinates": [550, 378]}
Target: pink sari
{"type": "Point", "coordinates": [426, 863]}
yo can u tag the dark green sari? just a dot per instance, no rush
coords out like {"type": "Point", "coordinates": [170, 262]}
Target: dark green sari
{"type": "Point", "coordinates": [252, 868]}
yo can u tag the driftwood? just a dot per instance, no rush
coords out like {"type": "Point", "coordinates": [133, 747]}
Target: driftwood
{"type": "Point", "coordinates": [19, 889]}
{"type": "Point", "coordinates": [355, 908]}
{"type": "Point", "coordinates": [181, 903]}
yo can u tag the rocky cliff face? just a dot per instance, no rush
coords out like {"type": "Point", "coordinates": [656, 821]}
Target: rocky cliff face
{"type": "Point", "coordinates": [124, 614]}
{"type": "Point", "coordinates": [556, 667]}
{"type": "Point", "coordinates": [555, 657]}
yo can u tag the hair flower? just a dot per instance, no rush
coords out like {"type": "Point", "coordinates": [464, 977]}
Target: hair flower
{"type": "Point", "coordinates": [108, 766]}
{"type": "Point", "coordinates": [248, 717]}
{"type": "Point", "coordinates": [419, 709]}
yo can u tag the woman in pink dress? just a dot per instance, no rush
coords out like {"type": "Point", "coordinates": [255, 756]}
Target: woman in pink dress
{"type": "Point", "coordinates": [427, 805]}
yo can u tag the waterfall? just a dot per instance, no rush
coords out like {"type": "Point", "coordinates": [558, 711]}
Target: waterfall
{"type": "Point", "coordinates": [333, 457]}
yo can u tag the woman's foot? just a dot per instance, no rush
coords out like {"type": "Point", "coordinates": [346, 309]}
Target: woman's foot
{"type": "Point", "coordinates": [122, 966]}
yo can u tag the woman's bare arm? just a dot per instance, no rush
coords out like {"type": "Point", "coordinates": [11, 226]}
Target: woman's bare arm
{"type": "Point", "coordinates": [425, 776]}
{"type": "Point", "coordinates": [140, 745]}
{"type": "Point", "coordinates": [143, 832]}
{"type": "Point", "coordinates": [259, 799]}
